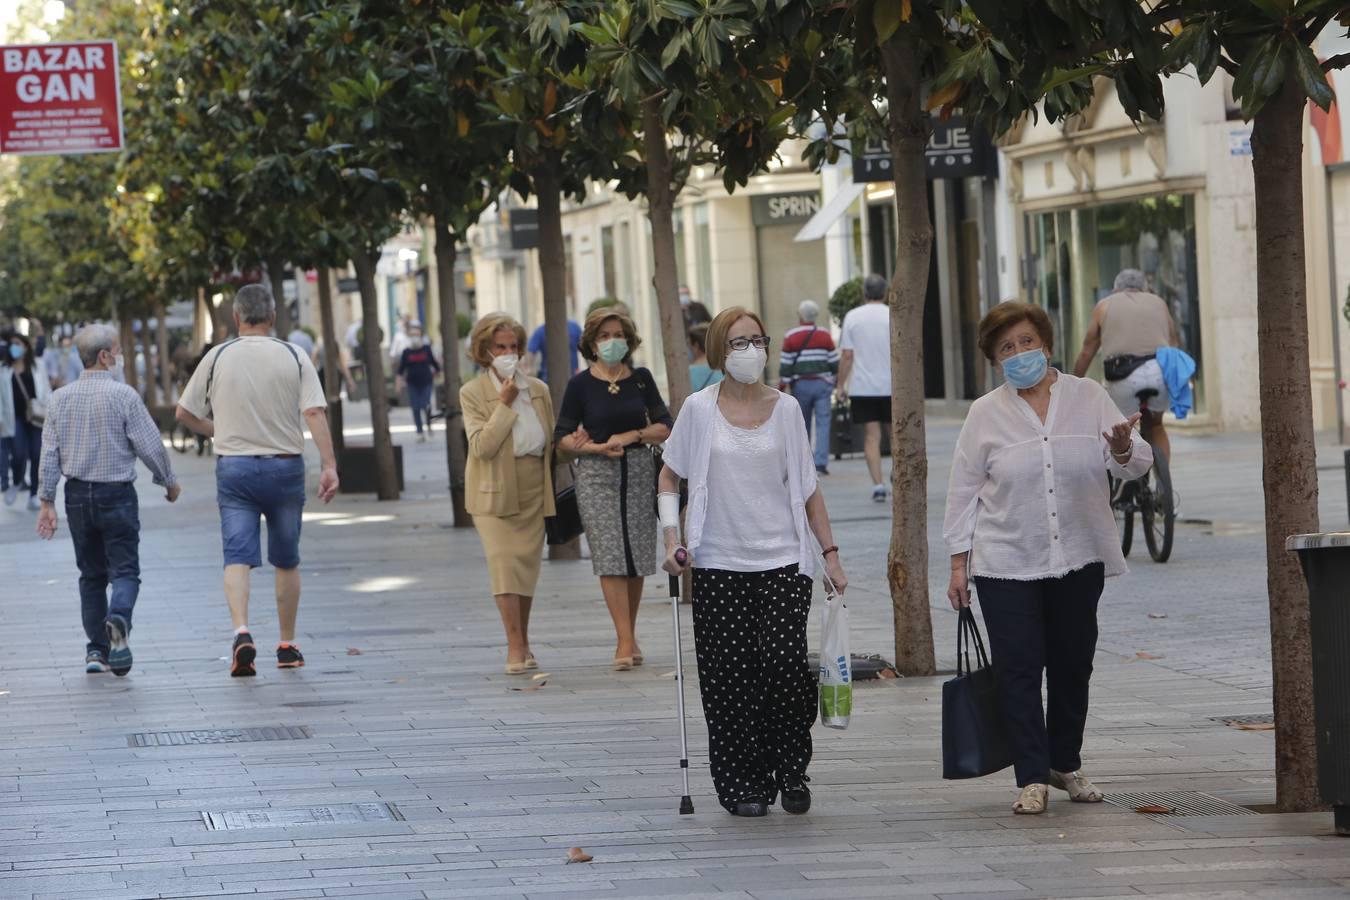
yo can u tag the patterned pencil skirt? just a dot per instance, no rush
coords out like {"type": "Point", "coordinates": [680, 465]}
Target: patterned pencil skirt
{"type": "Point", "coordinates": [617, 499]}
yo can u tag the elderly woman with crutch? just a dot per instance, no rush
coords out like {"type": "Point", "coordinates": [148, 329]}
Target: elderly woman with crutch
{"type": "Point", "coordinates": [754, 506]}
{"type": "Point", "coordinates": [1029, 519]}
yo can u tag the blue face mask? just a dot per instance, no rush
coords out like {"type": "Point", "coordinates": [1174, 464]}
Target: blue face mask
{"type": "Point", "coordinates": [613, 350]}
{"type": "Point", "coordinates": [1026, 370]}
{"type": "Point", "coordinates": [15, 351]}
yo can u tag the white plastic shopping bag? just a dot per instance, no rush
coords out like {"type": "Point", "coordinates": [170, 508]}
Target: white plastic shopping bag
{"type": "Point", "coordinates": [836, 675]}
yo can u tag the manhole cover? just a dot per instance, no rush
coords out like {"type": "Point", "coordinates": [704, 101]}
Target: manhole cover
{"type": "Point", "coordinates": [218, 736]}
{"type": "Point", "coordinates": [335, 814]}
{"type": "Point", "coordinates": [1258, 719]}
{"type": "Point", "coordinates": [1182, 803]}
{"type": "Point", "coordinates": [310, 704]}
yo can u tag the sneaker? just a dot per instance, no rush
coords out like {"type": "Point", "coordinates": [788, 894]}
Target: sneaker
{"type": "Point", "coordinates": [879, 494]}
{"type": "Point", "coordinates": [119, 656]}
{"type": "Point", "coordinates": [289, 656]}
{"type": "Point", "coordinates": [95, 663]}
{"type": "Point", "coordinates": [241, 660]}
{"type": "Point", "coordinates": [796, 795]}
{"type": "Point", "coordinates": [34, 503]}
{"type": "Point", "coordinates": [822, 470]}
{"type": "Point", "coordinates": [10, 494]}
{"type": "Point", "coordinates": [421, 438]}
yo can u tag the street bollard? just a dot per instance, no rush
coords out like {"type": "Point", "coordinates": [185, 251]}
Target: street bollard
{"type": "Point", "coordinates": [1326, 566]}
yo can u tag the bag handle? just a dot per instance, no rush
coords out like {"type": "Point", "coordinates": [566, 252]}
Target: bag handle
{"type": "Point", "coordinates": [968, 631]}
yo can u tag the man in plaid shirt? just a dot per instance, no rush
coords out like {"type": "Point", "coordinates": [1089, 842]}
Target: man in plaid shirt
{"type": "Point", "coordinates": [96, 429]}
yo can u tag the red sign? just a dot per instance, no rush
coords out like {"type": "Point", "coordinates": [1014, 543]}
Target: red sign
{"type": "Point", "coordinates": [60, 98]}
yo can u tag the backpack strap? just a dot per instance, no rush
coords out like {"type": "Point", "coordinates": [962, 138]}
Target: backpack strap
{"type": "Point", "coordinates": [211, 374]}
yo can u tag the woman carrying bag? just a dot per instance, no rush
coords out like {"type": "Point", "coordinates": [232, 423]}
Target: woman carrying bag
{"type": "Point", "coordinates": [22, 415]}
{"type": "Point", "coordinates": [754, 506]}
{"type": "Point", "coordinates": [1029, 519]}
{"type": "Point", "coordinates": [508, 419]}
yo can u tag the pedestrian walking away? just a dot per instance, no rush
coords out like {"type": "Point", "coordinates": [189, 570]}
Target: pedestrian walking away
{"type": "Point", "coordinates": [254, 396]}
{"type": "Point", "coordinates": [754, 508]}
{"type": "Point", "coordinates": [865, 374]}
{"type": "Point", "coordinates": [701, 374]}
{"type": "Point", "coordinates": [1029, 520]}
{"type": "Point", "coordinates": [61, 364]}
{"type": "Point", "coordinates": [508, 420]}
{"type": "Point", "coordinates": [96, 429]}
{"type": "Point", "coordinates": [614, 415]}
{"type": "Point", "coordinates": [538, 349]}
{"type": "Point", "coordinates": [418, 368]}
{"type": "Point", "coordinates": [807, 367]}
{"type": "Point", "coordinates": [23, 411]}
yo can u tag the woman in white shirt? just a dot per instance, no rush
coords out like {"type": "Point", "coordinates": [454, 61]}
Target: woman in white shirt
{"type": "Point", "coordinates": [1029, 519]}
{"type": "Point", "coordinates": [753, 507]}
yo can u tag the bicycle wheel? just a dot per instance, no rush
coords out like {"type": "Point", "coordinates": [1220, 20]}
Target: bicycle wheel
{"type": "Point", "coordinates": [1159, 514]}
{"type": "Point", "coordinates": [1123, 507]}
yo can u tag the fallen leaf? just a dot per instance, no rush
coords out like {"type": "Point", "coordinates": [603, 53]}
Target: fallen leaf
{"type": "Point", "coordinates": [576, 854]}
{"type": "Point", "coordinates": [353, 651]}
{"type": "Point", "coordinates": [1253, 726]}
{"type": "Point", "coordinates": [1157, 615]}
{"type": "Point", "coordinates": [1154, 810]}
{"type": "Point", "coordinates": [1144, 654]}
{"type": "Point", "coordinates": [540, 676]}
{"type": "Point", "coordinates": [534, 687]}
{"type": "Point", "coordinates": [887, 673]}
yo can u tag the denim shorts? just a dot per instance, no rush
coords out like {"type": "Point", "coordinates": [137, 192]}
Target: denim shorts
{"type": "Point", "coordinates": [252, 488]}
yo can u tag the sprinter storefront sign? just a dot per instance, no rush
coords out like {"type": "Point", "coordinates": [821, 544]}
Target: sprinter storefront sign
{"type": "Point", "coordinates": [60, 98]}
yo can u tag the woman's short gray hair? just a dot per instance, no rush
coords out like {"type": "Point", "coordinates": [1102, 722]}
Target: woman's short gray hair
{"type": "Point", "coordinates": [1131, 280]}
{"type": "Point", "coordinates": [254, 304]}
{"type": "Point", "coordinates": [93, 340]}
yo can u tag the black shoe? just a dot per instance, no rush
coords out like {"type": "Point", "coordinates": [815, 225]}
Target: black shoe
{"type": "Point", "coordinates": [822, 470]}
{"type": "Point", "coordinates": [119, 654]}
{"type": "Point", "coordinates": [796, 795]}
{"type": "Point", "coordinates": [289, 656]}
{"type": "Point", "coordinates": [95, 663]}
{"type": "Point", "coordinates": [751, 809]}
{"type": "Point", "coordinates": [241, 660]}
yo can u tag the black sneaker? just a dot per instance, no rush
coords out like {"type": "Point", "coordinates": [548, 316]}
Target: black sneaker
{"type": "Point", "coordinates": [241, 660]}
{"type": "Point", "coordinates": [119, 654]}
{"type": "Point", "coordinates": [289, 656]}
{"type": "Point", "coordinates": [796, 795]}
{"type": "Point", "coordinates": [751, 809]}
{"type": "Point", "coordinates": [95, 663]}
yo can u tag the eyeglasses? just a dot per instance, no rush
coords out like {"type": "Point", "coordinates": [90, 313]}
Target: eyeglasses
{"type": "Point", "coordinates": [759, 342]}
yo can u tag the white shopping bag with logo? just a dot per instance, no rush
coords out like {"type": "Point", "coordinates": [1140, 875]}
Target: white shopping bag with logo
{"type": "Point", "coordinates": [836, 674]}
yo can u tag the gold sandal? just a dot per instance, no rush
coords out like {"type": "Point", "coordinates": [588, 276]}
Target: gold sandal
{"type": "Point", "coordinates": [1079, 789]}
{"type": "Point", "coordinates": [531, 662]}
{"type": "Point", "coordinates": [1032, 801]}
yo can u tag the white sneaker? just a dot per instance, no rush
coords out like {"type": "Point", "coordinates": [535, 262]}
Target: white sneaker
{"type": "Point", "coordinates": [34, 503]}
{"type": "Point", "coordinates": [10, 494]}
{"type": "Point", "coordinates": [879, 494]}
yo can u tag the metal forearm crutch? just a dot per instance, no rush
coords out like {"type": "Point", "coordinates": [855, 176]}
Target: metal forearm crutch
{"type": "Point", "coordinates": [686, 803]}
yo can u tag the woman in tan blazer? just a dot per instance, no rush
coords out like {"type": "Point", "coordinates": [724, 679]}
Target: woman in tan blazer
{"type": "Point", "coordinates": [508, 417]}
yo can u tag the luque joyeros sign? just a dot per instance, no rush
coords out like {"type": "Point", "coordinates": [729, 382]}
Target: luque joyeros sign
{"type": "Point", "coordinates": [60, 98]}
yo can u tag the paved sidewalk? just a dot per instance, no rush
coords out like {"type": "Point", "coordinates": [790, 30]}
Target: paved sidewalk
{"type": "Point", "coordinates": [404, 704]}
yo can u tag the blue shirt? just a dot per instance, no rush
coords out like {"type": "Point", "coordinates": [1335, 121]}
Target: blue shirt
{"type": "Point", "coordinates": [538, 340]}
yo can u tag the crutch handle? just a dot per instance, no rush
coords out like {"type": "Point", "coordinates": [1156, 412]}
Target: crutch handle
{"type": "Point", "coordinates": [681, 557]}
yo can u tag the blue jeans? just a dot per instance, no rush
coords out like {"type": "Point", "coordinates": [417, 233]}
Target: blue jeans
{"type": "Point", "coordinates": [105, 526]}
{"type": "Point", "coordinates": [252, 488]}
{"type": "Point", "coordinates": [419, 398]}
{"type": "Point", "coordinates": [814, 396]}
{"type": "Point", "coordinates": [6, 445]}
{"type": "Point", "coordinates": [25, 452]}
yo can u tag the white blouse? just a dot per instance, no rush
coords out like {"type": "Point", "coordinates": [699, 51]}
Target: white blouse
{"type": "Point", "coordinates": [527, 432]}
{"type": "Point", "coordinates": [1029, 499]}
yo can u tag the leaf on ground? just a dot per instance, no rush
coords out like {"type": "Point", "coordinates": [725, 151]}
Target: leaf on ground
{"type": "Point", "coordinates": [1253, 726]}
{"type": "Point", "coordinates": [1144, 654]}
{"type": "Point", "coordinates": [576, 854]}
{"type": "Point", "coordinates": [534, 687]}
{"type": "Point", "coordinates": [887, 673]}
{"type": "Point", "coordinates": [1157, 615]}
{"type": "Point", "coordinates": [540, 676]}
{"type": "Point", "coordinates": [353, 651]}
{"type": "Point", "coordinates": [1154, 810]}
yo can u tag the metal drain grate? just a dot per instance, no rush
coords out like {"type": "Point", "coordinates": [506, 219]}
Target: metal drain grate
{"type": "Point", "coordinates": [333, 814]}
{"type": "Point", "coordinates": [218, 736]}
{"type": "Point", "coordinates": [1182, 803]}
{"type": "Point", "coordinates": [310, 704]}
{"type": "Point", "coordinates": [1257, 719]}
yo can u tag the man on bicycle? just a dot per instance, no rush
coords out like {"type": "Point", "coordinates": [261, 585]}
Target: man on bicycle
{"type": "Point", "coordinates": [1128, 327]}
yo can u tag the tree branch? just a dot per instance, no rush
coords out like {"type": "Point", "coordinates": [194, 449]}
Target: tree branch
{"type": "Point", "coordinates": [1228, 65]}
{"type": "Point", "coordinates": [1339, 61]}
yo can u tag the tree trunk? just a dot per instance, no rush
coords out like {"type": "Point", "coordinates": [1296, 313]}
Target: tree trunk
{"type": "Point", "coordinates": [386, 474]}
{"type": "Point", "coordinates": [165, 364]}
{"type": "Point", "coordinates": [127, 339]}
{"type": "Point", "coordinates": [151, 385]}
{"type": "Point", "coordinates": [332, 360]}
{"type": "Point", "coordinates": [907, 569]}
{"type": "Point", "coordinates": [665, 278]}
{"type": "Point", "coordinates": [1289, 457]}
{"type": "Point", "coordinates": [456, 445]}
{"type": "Point", "coordinates": [553, 272]}
{"type": "Point", "coordinates": [276, 276]}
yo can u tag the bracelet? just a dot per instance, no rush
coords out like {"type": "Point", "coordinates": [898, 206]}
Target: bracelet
{"type": "Point", "coordinates": [1122, 456]}
{"type": "Point", "coordinates": [828, 550]}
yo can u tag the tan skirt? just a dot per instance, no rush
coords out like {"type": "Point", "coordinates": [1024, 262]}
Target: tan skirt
{"type": "Point", "coordinates": [515, 544]}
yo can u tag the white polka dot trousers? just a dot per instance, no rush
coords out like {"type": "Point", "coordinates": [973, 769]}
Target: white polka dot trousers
{"type": "Point", "coordinates": [759, 693]}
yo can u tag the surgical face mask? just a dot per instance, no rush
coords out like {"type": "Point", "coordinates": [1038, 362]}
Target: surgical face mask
{"type": "Point", "coordinates": [746, 366]}
{"type": "Point", "coordinates": [118, 362]}
{"type": "Point", "coordinates": [505, 366]}
{"type": "Point", "coordinates": [613, 350]}
{"type": "Point", "coordinates": [15, 351]}
{"type": "Point", "coordinates": [1026, 370]}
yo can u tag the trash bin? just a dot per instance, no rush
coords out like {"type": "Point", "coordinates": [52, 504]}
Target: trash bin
{"type": "Point", "coordinates": [1326, 565]}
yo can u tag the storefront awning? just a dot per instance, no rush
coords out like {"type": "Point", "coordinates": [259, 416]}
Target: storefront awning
{"type": "Point", "coordinates": [820, 223]}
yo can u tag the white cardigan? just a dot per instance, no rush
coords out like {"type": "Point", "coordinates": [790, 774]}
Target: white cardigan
{"type": "Point", "coordinates": [7, 419]}
{"type": "Point", "coordinates": [689, 449]}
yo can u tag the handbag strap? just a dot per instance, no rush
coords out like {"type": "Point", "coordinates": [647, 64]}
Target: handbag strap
{"type": "Point", "coordinates": [968, 633]}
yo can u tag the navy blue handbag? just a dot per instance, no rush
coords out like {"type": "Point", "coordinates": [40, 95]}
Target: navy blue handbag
{"type": "Point", "coordinates": [974, 737]}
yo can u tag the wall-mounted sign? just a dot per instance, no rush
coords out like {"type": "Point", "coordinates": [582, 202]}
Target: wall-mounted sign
{"type": "Point", "coordinates": [955, 150]}
{"type": "Point", "coordinates": [522, 228]}
{"type": "Point", "coordinates": [784, 209]}
{"type": "Point", "coordinates": [1240, 142]}
{"type": "Point", "coordinates": [348, 286]}
{"type": "Point", "coordinates": [60, 98]}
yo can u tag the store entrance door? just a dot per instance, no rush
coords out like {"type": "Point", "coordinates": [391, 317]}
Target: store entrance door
{"type": "Point", "coordinates": [788, 274]}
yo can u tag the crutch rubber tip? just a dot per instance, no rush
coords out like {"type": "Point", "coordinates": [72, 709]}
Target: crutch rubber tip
{"type": "Point", "coordinates": [686, 806]}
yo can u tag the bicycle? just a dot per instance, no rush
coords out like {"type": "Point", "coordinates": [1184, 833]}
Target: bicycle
{"type": "Point", "coordinates": [1151, 496]}
{"type": "Point", "coordinates": [183, 439]}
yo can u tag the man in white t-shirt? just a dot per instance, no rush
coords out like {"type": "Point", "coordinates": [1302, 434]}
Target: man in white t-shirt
{"type": "Point", "coordinates": [255, 395]}
{"type": "Point", "coordinates": [865, 373]}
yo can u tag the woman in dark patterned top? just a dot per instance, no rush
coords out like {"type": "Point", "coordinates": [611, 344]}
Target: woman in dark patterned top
{"type": "Point", "coordinates": [614, 415]}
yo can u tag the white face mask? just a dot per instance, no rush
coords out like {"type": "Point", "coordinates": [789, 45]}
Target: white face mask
{"type": "Point", "coordinates": [746, 366]}
{"type": "Point", "coordinates": [505, 366]}
{"type": "Point", "coordinates": [118, 363]}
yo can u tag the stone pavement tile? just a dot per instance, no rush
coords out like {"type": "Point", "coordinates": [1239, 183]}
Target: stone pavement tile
{"type": "Point", "coordinates": [13, 884]}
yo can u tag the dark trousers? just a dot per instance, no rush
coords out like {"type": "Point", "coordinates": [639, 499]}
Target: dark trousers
{"type": "Point", "coordinates": [759, 693]}
{"type": "Point", "coordinates": [105, 526]}
{"type": "Point", "coordinates": [1047, 626]}
{"type": "Point", "coordinates": [26, 455]}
